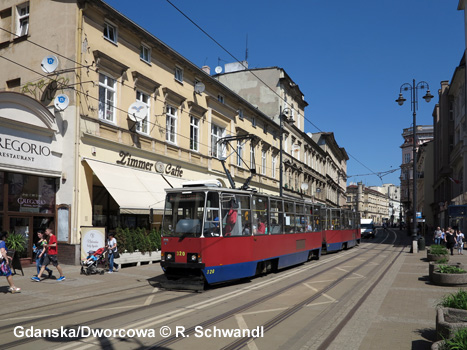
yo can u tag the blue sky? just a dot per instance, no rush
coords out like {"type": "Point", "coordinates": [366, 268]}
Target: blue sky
{"type": "Point", "coordinates": [348, 57]}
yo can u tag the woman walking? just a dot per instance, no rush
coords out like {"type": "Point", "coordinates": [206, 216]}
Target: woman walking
{"type": "Point", "coordinates": [40, 251]}
{"type": "Point", "coordinates": [460, 243]}
{"type": "Point", "coordinates": [5, 264]}
{"type": "Point", "coordinates": [450, 240]}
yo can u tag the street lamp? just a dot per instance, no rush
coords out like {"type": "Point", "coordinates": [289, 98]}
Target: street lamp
{"type": "Point", "coordinates": [282, 115]}
{"type": "Point", "coordinates": [414, 105]}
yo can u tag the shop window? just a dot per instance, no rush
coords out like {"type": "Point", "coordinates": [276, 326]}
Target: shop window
{"type": "Point", "coordinates": [33, 194]}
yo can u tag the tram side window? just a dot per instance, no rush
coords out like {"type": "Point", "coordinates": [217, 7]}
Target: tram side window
{"type": "Point", "coordinates": [211, 224]}
{"type": "Point", "coordinates": [299, 218]}
{"type": "Point", "coordinates": [235, 210]}
{"type": "Point", "coordinates": [308, 219]}
{"type": "Point", "coordinates": [289, 217]}
{"type": "Point", "coordinates": [316, 218]}
{"type": "Point", "coordinates": [336, 219]}
{"type": "Point", "coordinates": [260, 215]}
{"type": "Point", "coordinates": [276, 216]}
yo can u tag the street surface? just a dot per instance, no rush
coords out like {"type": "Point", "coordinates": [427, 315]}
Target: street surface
{"type": "Point", "coordinates": [373, 296]}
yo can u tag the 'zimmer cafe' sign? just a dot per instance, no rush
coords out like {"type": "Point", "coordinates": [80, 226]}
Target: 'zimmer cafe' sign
{"type": "Point", "coordinates": [168, 169]}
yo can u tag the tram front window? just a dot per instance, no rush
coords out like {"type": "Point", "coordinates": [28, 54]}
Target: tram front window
{"type": "Point", "coordinates": [183, 215]}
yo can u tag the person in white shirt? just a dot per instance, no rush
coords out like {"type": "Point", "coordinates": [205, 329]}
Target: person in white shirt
{"type": "Point", "coordinates": [460, 243]}
{"type": "Point", "coordinates": [111, 249]}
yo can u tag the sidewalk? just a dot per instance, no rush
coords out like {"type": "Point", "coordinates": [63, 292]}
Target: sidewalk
{"type": "Point", "coordinates": [406, 312]}
{"type": "Point", "coordinates": [75, 286]}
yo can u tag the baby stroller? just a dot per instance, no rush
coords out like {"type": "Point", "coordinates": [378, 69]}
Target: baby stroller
{"type": "Point", "coordinates": [89, 265]}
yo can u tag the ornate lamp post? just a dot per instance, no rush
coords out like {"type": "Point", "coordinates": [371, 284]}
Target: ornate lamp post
{"type": "Point", "coordinates": [413, 88]}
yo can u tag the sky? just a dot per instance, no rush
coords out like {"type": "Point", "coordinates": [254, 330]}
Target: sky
{"type": "Point", "coordinates": [349, 59]}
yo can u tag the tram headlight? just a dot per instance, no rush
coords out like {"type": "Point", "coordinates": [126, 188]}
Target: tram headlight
{"type": "Point", "coordinates": [169, 256]}
{"type": "Point", "coordinates": [193, 258]}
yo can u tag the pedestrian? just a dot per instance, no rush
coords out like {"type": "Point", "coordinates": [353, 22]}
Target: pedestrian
{"type": "Point", "coordinates": [112, 249]}
{"type": "Point", "coordinates": [443, 237]}
{"type": "Point", "coordinates": [450, 240]}
{"type": "Point", "coordinates": [460, 243]}
{"type": "Point", "coordinates": [5, 264]}
{"type": "Point", "coordinates": [51, 257]}
{"type": "Point", "coordinates": [437, 235]}
{"type": "Point", "coordinates": [41, 251]}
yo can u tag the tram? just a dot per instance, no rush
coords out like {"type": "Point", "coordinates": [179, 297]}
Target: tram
{"type": "Point", "coordinates": [212, 234]}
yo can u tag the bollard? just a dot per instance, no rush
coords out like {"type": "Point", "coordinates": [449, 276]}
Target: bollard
{"type": "Point", "coordinates": [414, 247]}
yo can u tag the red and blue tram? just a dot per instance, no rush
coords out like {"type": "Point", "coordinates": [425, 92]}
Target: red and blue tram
{"type": "Point", "coordinates": [214, 234]}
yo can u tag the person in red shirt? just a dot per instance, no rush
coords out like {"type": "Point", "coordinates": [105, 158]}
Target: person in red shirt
{"type": "Point", "coordinates": [51, 256]}
{"type": "Point", "coordinates": [261, 226]}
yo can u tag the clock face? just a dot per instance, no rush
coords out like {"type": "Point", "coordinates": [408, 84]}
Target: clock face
{"type": "Point", "coordinates": [160, 167]}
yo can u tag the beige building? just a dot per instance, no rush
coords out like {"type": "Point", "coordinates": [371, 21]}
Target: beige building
{"type": "Point", "coordinates": [371, 204]}
{"type": "Point", "coordinates": [98, 116]}
{"type": "Point", "coordinates": [314, 165]}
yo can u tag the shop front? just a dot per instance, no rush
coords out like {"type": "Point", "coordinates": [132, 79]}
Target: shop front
{"type": "Point", "coordinates": [30, 167]}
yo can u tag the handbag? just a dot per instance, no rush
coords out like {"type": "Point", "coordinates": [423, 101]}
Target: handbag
{"type": "Point", "coordinates": [116, 255]}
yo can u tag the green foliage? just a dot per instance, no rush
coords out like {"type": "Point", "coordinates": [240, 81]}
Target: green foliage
{"type": "Point", "coordinates": [456, 300]}
{"type": "Point", "coordinates": [442, 261]}
{"type": "Point", "coordinates": [137, 239]}
{"type": "Point", "coordinates": [438, 250]}
{"type": "Point", "coordinates": [457, 342]}
{"type": "Point", "coordinates": [450, 269]}
{"type": "Point", "coordinates": [16, 241]}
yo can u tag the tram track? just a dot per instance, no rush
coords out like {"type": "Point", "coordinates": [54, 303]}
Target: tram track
{"type": "Point", "coordinates": [68, 314]}
{"type": "Point", "coordinates": [339, 259]}
{"type": "Point", "coordinates": [239, 343]}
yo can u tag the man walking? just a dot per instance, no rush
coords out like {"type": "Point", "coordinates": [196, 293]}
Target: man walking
{"type": "Point", "coordinates": [51, 256]}
{"type": "Point", "coordinates": [437, 235]}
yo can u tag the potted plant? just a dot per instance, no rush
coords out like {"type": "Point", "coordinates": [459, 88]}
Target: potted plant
{"type": "Point", "coordinates": [458, 341]}
{"type": "Point", "coordinates": [437, 252]}
{"type": "Point", "coordinates": [449, 275]}
{"type": "Point", "coordinates": [451, 314]}
{"type": "Point", "coordinates": [16, 242]}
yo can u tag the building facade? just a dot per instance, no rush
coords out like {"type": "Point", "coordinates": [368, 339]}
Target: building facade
{"type": "Point", "coordinates": [424, 133]}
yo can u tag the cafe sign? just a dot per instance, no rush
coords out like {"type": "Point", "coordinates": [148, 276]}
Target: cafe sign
{"type": "Point", "coordinates": [167, 169]}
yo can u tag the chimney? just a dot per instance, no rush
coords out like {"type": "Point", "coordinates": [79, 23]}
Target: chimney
{"type": "Point", "coordinates": [206, 69]}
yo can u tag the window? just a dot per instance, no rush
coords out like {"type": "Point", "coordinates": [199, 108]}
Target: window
{"type": "Point", "coordinates": [178, 74]}
{"type": "Point", "coordinates": [253, 121]}
{"type": "Point", "coordinates": [252, 157]}
{"type": "Point", "coordinates": [239, 153]}
{"type": "Point", "coordinates": [194, 133]}
{"type": "Point", "coordinates": [110, 32]}
{"type": "Point", "coordinates": [240, 114]}
{"type": "Point", "coordinates": [407, 158]}
{"type": "Point", "coordinates": [217, 150]}
{"type": "Point", "coordinates": [273, 166]}
{"type": "Point", "coordinates": [145, 53]}
{"type": "Point", "coordinates": [171, 124]}
{"type": "Point", "coordinates": [22, 24]}
{"type": "Point", "coordinates": [107, 91]}
{"type": "Point", "coordinates": [286, 142]}
{"type": "Point", "coordinates": [263, 162]}
{"type": "Point", "coordinates": [142, 126]}
{"type": "Point", "coordinates": [220, 98]}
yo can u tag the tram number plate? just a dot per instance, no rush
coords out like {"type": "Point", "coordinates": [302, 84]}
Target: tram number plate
{"type": "Point", "coordinates": [180, 253]}
{"type": "Point", "coordinates": [210, 271]}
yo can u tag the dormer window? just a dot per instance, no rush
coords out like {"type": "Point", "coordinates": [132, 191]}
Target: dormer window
{"type": "Point", "coordinates": [220, 98]}
{"type": "Point", "coordinates": [110, 32]}
{"type": "Point", "coordinates": [145, 53]}
{"type": "Point", "coordinates": [179, 74]}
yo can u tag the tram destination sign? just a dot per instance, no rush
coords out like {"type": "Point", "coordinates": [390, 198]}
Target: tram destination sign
{"type": "Point", "coordinates": [127, 159]}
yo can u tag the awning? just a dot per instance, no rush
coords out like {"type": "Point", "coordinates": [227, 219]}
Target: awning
{"type": "Point", "coordinates": [135, 191]}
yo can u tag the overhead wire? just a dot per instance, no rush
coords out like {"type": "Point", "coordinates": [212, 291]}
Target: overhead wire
{"type": "Point", "coordinates": [256, 76]}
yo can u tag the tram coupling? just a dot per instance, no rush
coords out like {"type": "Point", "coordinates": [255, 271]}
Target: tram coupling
{"type": "Point", "coordinates": [194, 283]}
